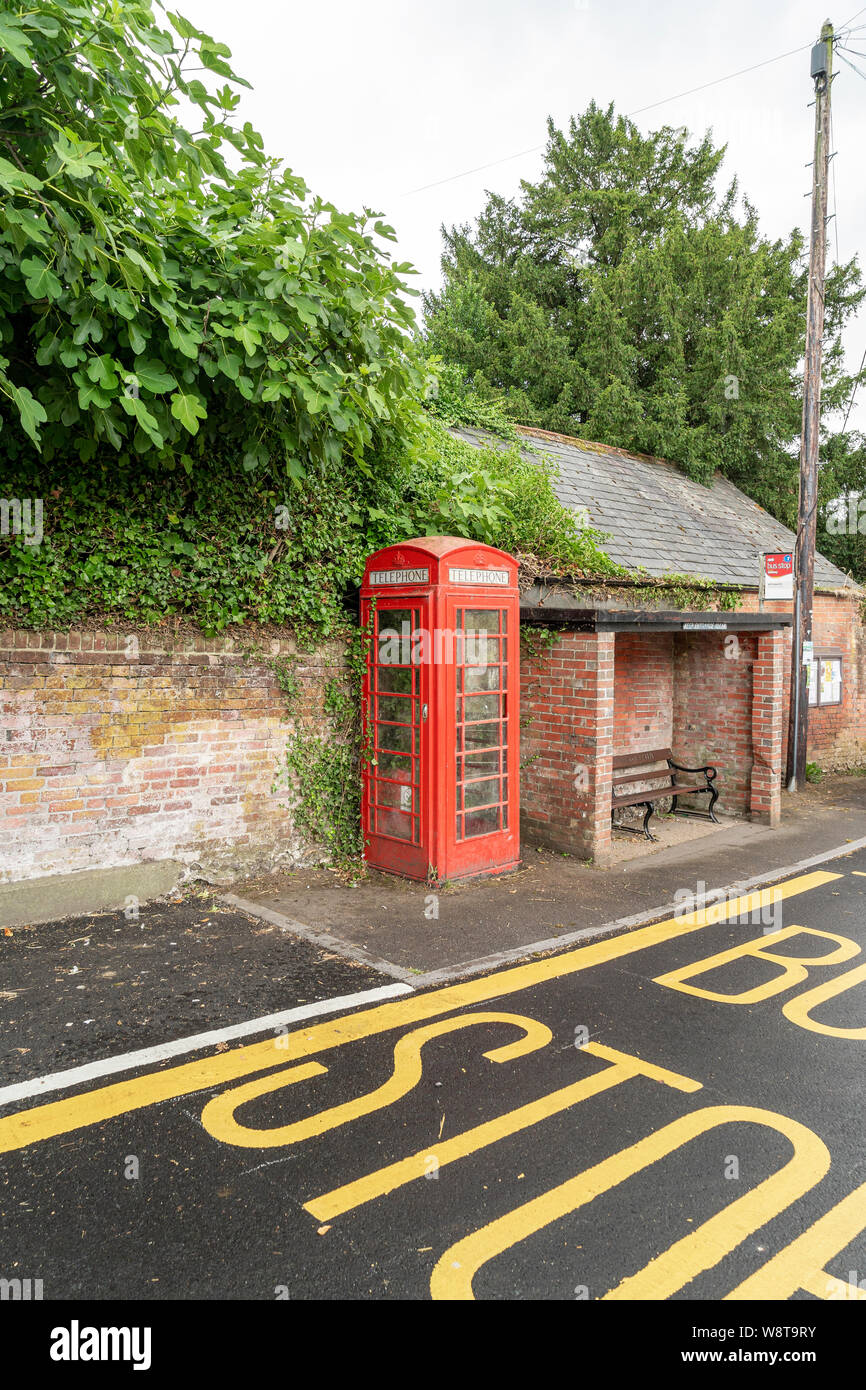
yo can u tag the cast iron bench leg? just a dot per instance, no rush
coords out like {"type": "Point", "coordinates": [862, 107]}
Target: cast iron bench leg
{"type": "Point", "coordinates": [646, 821]}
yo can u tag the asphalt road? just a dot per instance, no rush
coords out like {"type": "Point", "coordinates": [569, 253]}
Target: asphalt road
{"type": "Point", "coordinates": [591, 1124]}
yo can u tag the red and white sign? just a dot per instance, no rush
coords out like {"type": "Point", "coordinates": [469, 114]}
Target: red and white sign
{"type": "Point", "coordinates": [778, 576]}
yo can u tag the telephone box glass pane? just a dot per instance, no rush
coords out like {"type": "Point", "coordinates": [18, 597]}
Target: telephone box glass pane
{"type": "Point", "coordinates": [394, 823]}
{"type": "Point", "coordinates": [482, 678]}
{"type": "Point", "coordinates": [396, 709]}
{"type": "Point", "coordinates": [481, 735]}
{"type": "Point", "coordinates": [395, 627]}
{"type": "Point", "coordinates": [482, 793]}
{"type": "Point", "coordinates": [477, 764]}
{"type": "Point", "coordinates": [481, 620]}
{"type": "Point", "coordinates": [392, 765]}
{"type": "Point", "coordinates": [482, 822]}
{"type": "Point", "coordinates": [482, 707]}
{"type": "Point", "coordinates": [397, 679]}
{"type": "Point", "coordinates": [393, 794]}
{"type": "Point", "coordinates": [395, 737]}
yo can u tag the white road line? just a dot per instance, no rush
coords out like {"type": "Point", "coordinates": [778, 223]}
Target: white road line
{"type": "Point", "coordinates": [60, 1080]}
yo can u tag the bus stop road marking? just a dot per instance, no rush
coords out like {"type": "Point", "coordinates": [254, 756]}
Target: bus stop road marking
{"type": "Point", "coordinates": [26, 1127]}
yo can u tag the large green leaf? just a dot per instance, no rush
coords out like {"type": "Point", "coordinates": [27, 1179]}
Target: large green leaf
{"type": "Point", "coordinates": [16, 43]}
{"type": "Point", "coordinates": [153, 376]}
{"type": "Point", "coordinates": [41, 281]}
{"type": "Point", "coordinates": [30, 411]}
{"type": "Point", "coordinates": [188, 409]}
{"type": "Point", "coordinates": [16, 180]}
{"type": "Point", "coordinates": [136, 407]}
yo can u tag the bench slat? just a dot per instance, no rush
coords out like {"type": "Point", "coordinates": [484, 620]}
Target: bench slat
{"type": "Point", "coordinates": [657, 755]}
{"type": "Point", "coordinates": [641, 775]}
{"type": "Point", "coordinates": [640, 798]}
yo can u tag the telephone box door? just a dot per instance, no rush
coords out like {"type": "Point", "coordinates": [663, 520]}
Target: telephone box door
{"type": "Point", "coordinates": [396, 696]}
{"type": "Point", "coordinates": [482, 793]}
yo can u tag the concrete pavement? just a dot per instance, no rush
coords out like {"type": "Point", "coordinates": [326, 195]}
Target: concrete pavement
{"type": "Point", "coordinates": [413, 933]}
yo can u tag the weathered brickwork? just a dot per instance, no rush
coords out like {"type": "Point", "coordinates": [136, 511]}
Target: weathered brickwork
{"type": "Point", "coordinates": [713, 697]}
{"type": "Point", "coordinates": [837, 733]}
{"type": "Point", "coordinates": [712, 711]}
{"type": "Point", "coordinates": [567, 707]}
{"type": "Point", "coordinates": [643, 691]}
{"type": "Point", "coordinates": [115, 750]}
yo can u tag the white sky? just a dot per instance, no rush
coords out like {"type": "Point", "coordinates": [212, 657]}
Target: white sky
{"type": "Point", "coordinates": [370, 101]}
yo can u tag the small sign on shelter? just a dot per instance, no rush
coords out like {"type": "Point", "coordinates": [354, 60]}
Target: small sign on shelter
{"type": "Point", "coordinates": [777, 574]}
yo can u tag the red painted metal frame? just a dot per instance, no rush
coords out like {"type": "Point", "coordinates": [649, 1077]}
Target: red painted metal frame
{"type": "Point", "coordinates": [384, 850]}
{"type": "Point", "coordinates": [440, 853]}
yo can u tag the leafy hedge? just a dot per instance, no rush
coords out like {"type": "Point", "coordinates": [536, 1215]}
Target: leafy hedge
{"type": "Point", "coordinates": [130, 543]}
{"type": "Point", "coordinates": [207, 378]}
{"type": "Point", "coordinates": [165, 292]}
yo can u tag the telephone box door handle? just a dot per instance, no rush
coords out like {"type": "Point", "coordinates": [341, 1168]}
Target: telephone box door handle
{"type": "Point", "coordinates": [424, 714]}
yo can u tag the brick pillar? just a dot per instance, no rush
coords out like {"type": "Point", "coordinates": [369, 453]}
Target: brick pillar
{"type": "Point", "coordinates": [567, 745]}
{"type": "Point", "coordinates": [600, 738]}
{"type": "Point", "coordinates": [767, 729]}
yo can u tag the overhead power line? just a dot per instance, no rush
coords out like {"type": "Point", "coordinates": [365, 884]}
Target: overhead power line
{"type": "Point", "coordinates": [854, 390]}
{"type": "Point", "coordinates": [843, 27]}
{"type": "Point", "coordinates": [479, 168]}
{"type": "Point", "coordinates": [841, 55]}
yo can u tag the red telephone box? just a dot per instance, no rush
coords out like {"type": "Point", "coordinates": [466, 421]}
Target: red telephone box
{"type": "Point", "coordinates": [441, 709]}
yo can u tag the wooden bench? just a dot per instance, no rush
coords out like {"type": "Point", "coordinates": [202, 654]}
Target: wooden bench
{"type": "Point", "coordinates": [632, 768]}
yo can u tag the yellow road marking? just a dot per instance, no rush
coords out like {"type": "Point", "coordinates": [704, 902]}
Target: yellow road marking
{"type": "Point", "coordinates": [798, 1009]}
{"type": "Point", "coordinates": [218, 1116]}
{"type": "Point", "coordinates": [623, 1068]}
{"type": "Point", "coordinates": [794, 970]}
{"type": "Point", "coordinates": [800, 1265]}
{"type": "Point", "coordinates": [93, 1107]}
{"type": "Point", "coordinates": [680, 1263]}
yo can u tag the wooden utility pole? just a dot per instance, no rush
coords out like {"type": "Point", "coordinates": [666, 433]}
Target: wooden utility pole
{"type": "Point", "coordinates": [822, 69]}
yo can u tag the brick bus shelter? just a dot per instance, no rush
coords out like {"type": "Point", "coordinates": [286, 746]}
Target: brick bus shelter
{"type": "Point", "coordinates": [707, 685]}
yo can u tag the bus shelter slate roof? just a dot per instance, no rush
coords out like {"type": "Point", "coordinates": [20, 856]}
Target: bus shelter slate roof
{"type": "Point", "coordinates": [661, 521]}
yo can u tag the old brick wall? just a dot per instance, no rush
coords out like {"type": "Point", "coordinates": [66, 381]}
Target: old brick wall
{"type": "Point", "coordinates": [837, 733]}
{"type": "Point", "coordinates": [566, 744]}
{"type": "Point", "coordinates": [643, 691]}
{"type": "Point", "coordinates": [712, 719]}
{"type": "Point", "coordinates": [115, 750]}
